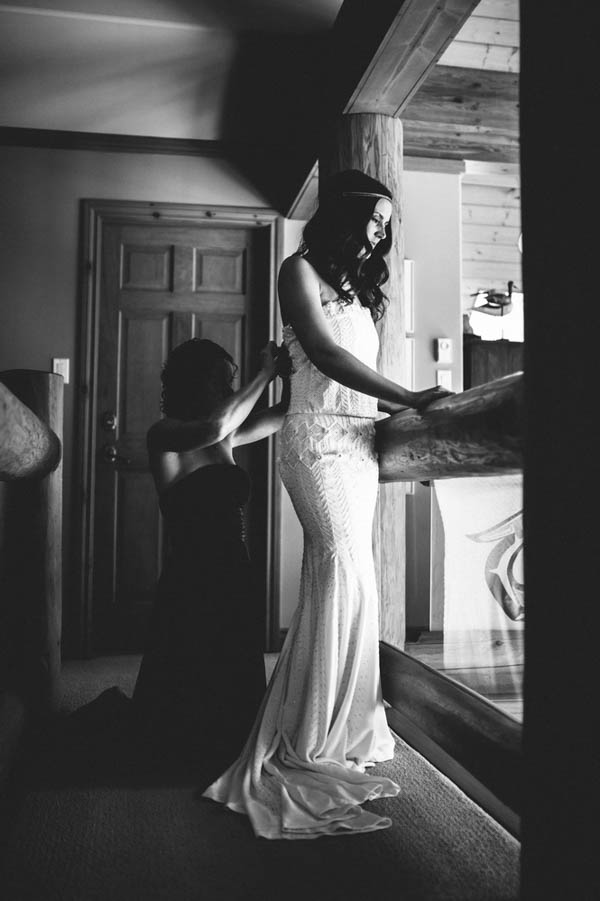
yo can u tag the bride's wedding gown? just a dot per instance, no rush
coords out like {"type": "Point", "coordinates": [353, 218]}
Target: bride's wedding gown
{"type": "Point", "coordinates": [322, 722]}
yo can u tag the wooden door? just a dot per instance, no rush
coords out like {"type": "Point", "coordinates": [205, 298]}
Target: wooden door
{"type": "Point", "coordinates": [161, 284]}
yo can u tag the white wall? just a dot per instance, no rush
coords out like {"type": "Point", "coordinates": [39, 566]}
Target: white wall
{"type": "Point", "coordinates": [432, 235]}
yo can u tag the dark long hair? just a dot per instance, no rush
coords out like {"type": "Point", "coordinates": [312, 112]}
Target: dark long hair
{"type": "Point", "coordinates": [194, 378]}
{"type": "Point", "coordinates": [334, 237]}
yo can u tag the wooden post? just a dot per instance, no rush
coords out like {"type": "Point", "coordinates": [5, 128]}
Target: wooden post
{"type": "Point", "coordinates": [31, 545]}
{"type": "Point", "coordinates": [28, 448]}
{"type": "Point", "coordinates": [373, 143]}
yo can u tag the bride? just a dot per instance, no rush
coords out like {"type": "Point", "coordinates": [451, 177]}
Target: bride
{"type": "Point", "coordinates": [302, 772]}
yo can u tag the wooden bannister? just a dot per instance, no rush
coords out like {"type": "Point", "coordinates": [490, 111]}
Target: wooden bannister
{"type": "Point", "coordinates": [478, 432]}
{"type": "Point", "coordinates": [31, 417]}
{"type": "Point", "coordinates": [28, 447]}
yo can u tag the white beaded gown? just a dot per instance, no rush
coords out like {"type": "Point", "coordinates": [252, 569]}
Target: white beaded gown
{"type": "Point", "coordinates": [322, 722]}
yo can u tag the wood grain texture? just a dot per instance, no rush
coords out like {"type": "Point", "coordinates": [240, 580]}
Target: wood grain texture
{"type": "Point", "coordinates": [373, 144]}
{"type": "Point", "coordinates": [28, 448]}
{"type": "Point", "coordinates": [474, 734]}
{"type": "Point", "coordinates": [414, 40]}
{"type": "Point", "coordinates": [31, 557]}
{"type": "Point", "coordinates": [479, 432]}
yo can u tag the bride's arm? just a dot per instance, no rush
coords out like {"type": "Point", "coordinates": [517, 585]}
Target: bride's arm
{"type": "Point", "coordinates": [300, 301]}
{"type": "Point", "coordinates": [179, 435]}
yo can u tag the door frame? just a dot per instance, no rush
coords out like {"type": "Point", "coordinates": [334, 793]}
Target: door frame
{"type": "Point", "coordinates": [94, 215]}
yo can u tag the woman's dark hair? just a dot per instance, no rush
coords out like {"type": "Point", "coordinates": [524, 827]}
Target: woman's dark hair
{"type": "Point", "coordinates": [194, 378]}
{"type": "Point", "coordinates": [336, 234]}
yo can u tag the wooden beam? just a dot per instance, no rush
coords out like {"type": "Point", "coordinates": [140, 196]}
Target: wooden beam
{"type": "Point", "coordinates": [379, 55]}
{"type": "Point", "coordinates": [28, 448]}
{"type": "Point", "coordinates": [382, 52]}
{"type": "Point", "coordinates": [306, 200]}
{"type": "Point", "coordinates": [373, 144]}
{"type": "Point", "coordinates": [478, 432]}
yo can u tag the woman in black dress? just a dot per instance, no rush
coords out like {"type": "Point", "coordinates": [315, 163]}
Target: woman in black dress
{"type": "Point", "coordinates": [202, 676]}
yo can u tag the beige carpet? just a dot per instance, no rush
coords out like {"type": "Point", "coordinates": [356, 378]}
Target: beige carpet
{"type": "Point", "coordinates": [159, 842]}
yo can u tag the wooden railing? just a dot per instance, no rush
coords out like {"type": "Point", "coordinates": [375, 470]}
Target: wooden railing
{"type": "Point", "coordinates": [475, 433]}
{"type": "Point", "coordinates": [31, 416]}
{"type": "Point", "coordinates": [28, 447]}
{"type": "Point", "coordinates": [478, 432]}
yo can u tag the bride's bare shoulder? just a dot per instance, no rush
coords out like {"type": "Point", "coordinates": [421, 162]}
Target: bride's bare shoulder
{"type": "Point", "coordinates": [297, 266]}
{"type": "Point", "coordinates": [297, 270]}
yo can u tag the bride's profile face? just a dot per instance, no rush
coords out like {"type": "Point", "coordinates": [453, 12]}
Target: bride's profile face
{"type": "Point", "coordinates": [379, 221]}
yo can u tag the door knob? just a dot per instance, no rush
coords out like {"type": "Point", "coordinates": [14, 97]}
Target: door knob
{"type": "Point", "coordinates": [111, 455]}
{"type": "Point", "coordinates": [109, 421]}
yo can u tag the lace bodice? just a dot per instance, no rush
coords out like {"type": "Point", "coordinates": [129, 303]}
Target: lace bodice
{"type": "Point", "coordinates": [313, 392]}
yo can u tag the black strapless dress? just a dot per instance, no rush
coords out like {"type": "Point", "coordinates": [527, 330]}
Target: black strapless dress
{"type": "Point", "coordinates": [202, 676]}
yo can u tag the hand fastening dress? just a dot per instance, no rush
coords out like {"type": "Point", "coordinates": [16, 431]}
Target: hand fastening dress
{"type": "Point", "coordinates": [322, 722]}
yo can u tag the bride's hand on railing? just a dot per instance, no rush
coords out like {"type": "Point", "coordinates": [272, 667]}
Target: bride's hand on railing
{"type": "Point", "coordinates": [422, 399]}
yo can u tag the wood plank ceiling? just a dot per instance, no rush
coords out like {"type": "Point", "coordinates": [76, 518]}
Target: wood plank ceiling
{"type": "Point", "coordinates": [468, 107]}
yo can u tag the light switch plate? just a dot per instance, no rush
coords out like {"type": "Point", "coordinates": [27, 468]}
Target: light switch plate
{"type": "Point", "coordinates": [444, 378]}
{"type": "Point", "coordinates": [60, 365]}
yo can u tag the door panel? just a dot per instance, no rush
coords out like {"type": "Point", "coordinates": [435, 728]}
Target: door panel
{"type": "Point", "coordinates": [161, 284]}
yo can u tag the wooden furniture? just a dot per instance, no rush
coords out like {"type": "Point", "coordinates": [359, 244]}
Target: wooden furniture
{"type": "Point", "coordinates": [484, 361]}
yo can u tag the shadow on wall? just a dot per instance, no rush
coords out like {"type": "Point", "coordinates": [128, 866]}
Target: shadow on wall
{"type": "Point", "coordinates": [270, 122]}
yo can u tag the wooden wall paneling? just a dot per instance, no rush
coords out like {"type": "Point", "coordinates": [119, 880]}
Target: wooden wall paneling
{"type": "Point", "coordinates": [499, 9]}
{"type": "Point", "coordinates": [491, 225]}
{"type": "Point", "coordinates": [494, 252]}
{"type": "Point", "coordinates": [504, 235]}
{"type": "Point", "coordinates": [491, 195]}
{"type": "Point", "coordinates": [491, 215]}
{"type": "Point", "coordinates": [489, 39]}
{"type": "Point", "coordinates": [490, 31]}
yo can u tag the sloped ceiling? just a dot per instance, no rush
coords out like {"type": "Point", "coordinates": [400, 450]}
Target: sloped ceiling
{"type": "Point", "coordinates": [244, 73]}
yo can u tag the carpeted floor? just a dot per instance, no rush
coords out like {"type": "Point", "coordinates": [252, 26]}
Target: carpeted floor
{"type": "Point", "coordinates": [80, 834]}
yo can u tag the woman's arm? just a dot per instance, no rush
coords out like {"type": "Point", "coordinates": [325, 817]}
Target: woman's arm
{"type": "Point", "coordinates": [264, 423]}
{"type": "Point", "coordinates": [178, 435]}
{"type": "Point", "coordinates": [300, 300]}
{"type": "Point", "coordinates": [385, 406]}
